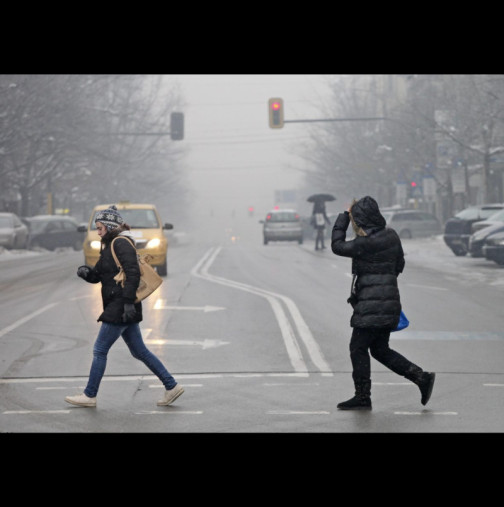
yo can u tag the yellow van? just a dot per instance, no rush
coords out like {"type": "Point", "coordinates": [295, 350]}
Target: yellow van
{"type": "Point", "coordinates": [146, 228]}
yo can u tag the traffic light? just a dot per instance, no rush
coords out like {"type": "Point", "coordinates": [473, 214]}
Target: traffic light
{"type": "Point", "coordinates": [276, 113]}
{"type": "Point", "coordinates": [177, 126]}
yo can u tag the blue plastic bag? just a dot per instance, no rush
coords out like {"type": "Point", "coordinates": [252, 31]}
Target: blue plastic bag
{"type": "Point", "coordinates": [403, 322]}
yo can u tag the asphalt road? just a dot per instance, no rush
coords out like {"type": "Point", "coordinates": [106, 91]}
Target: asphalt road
{"type": "Point", "coordinates": [258, 336]}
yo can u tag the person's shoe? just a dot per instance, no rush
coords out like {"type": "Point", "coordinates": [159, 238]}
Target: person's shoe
{"type": "Point", "coordinates": [423, 379]}
{"type": "Point", "coordinates": [426, 383]}
{"type": "Point", "coordinates": [81, 400]}
{"type": "Point", "coordinates": [356, 403]}
{"type": "Point", "coordinates": [170, 396]}
{"type": "Point", "coordinates": [361, 400]}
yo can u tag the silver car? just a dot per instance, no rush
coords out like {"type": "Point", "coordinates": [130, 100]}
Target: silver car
{"type": "Point", "coordinates": [13, 232]}
{"type": "Point", "coordinates": [282, 225]}
{"type": "Point", "coordinates": [412, 223]}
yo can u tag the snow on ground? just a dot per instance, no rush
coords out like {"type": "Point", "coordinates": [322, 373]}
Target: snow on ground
{"type": "Point", "coordinates": [433, 253]}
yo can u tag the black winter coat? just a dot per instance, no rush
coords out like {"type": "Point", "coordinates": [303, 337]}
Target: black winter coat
{"type": "Point", "coordinates": [377, 260]}
{"type": "Point", "coordinates": [113, 295]}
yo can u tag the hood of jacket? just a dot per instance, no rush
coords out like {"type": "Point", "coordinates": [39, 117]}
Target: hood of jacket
{"type": "Point", "coordinates": [366, 217]}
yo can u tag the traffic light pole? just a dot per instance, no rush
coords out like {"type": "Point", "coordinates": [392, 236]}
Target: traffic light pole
{"type": "Point", "coordinates": [336, 119]}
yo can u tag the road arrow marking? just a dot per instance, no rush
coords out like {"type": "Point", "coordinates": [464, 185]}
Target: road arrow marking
{"type": "Point", "coordinates": [205, 344]}
{"type": "Point", "coordinates": [160, 305]}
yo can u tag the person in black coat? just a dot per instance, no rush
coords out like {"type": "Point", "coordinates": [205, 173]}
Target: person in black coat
{"type": "Point", "coordinates": [120, 315]}
{"type": "Point", "coordinates": [377, 260]}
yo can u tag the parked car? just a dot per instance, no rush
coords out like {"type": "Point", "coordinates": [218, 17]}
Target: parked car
{"type": "Point", "coordinates": [478, 239]}
{"type": "Point", "coordinates": [146, 227]}
{"type": "Point", "coordinates": [13, 232]}
{"type": "Point", "coordinates": [496, 218]}
{"type": "Point", "coordinates": [493, 249]}
{"type": "Point", "coordinates": [410, 223]}
{"type": "Point", "coordinates": [282, 225]}
{"type": "Point", "coordinates": [458, 229]}
{"type": "Point", "coordinates": [54, 231]}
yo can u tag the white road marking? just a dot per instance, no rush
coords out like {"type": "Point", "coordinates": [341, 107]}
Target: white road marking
{"type": "Point", "coordinates": [274, 300]}
{"type": "Point", "coordinates": [493, 385]}
{"type": "Point", "coordinates": [10, 412]}
{"type": "Point", "coordinates": [425, 286]}
{"type": "Point", "coordinates": [204, 344]}
{"type": "Point", "coordinates": [161, 305]}
{"type": "Point", "coordinates": [7, 329]}
{"type": "Point", "coordinates": [170, 412]}
{"type": "Point", "coordinates": [152, 386]}
{"type": "Point", "coordinates": [297, 412]}
{"type": "Point", "coordinates": [426, 413]}
{"type": "Point", "coordinates": [41, 380]}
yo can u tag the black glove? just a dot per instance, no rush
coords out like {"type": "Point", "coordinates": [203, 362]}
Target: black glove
{"type": "Point", "coordinates": [129, 314]}
{"type": "Point", "coordinates": [83, 271]}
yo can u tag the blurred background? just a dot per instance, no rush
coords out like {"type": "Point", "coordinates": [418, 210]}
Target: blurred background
{"type": "Point", "coordinates": [69, 142]}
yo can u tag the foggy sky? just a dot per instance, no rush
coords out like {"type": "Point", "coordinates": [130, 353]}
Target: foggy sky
{"type": "Point", "coordinates": [234, 160]}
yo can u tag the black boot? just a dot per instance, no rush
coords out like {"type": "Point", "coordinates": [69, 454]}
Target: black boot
{"type": "Point", "coordinates": [361, 400]}
{"type": "Point", "coordinates": [423, 379]}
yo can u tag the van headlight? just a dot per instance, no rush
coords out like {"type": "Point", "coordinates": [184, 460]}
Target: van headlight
{"type": "Point", "coordinates": [153, 243]}
{"type": "Point", "coordinates": [95, 245]}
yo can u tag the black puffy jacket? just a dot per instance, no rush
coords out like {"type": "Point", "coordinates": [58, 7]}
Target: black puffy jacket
{"type": "Point", "coordinates": [113, 295]}
{"type": "Point", "coordinates": [377, 259]}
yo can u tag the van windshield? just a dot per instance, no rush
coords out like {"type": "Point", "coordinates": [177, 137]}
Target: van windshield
{"type": "Point", "coordinates": [136, 219]}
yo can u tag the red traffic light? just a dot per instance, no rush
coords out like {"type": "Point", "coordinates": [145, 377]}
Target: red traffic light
{"type": "Point", "coordinates": [413, 184]}
{"type": "Point", "coordinates": [276, 113]}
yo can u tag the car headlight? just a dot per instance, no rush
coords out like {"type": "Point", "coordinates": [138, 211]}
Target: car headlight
{"type": "Point", "coordinates": [153, 243]}
{"type": "Point", "coordinates": [95, 245]}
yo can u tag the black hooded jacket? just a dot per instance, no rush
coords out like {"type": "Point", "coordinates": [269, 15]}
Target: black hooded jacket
{"type": "Point", "coordinates": [113, 295]}
{"type": "Point", "coordinates": [377, 259]}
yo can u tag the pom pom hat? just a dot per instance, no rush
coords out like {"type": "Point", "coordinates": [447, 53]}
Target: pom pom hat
{"type": "Point", "coordinates": [110, 218]}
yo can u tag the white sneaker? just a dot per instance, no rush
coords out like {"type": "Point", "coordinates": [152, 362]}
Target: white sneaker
{"type": "Point", "coordinates": [171, 395]}
{"type": "Point", "coordinates": [81, 400]}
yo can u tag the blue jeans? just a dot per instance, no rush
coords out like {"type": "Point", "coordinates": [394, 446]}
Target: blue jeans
{"type": "Point", "coordinates": [132, 336]}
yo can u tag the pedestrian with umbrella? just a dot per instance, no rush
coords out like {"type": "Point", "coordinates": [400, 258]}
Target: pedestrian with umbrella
{"type": "Point", "coordinates": [319, 216]}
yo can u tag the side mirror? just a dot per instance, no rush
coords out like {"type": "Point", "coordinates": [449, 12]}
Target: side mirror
{"type": "Point", "coordinates": [82, 228]}
{"type": "Point", "coordinates": [168, 226]}
{"type": "Point", "coordinates": [261, 221]}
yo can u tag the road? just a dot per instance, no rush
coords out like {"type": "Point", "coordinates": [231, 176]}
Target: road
{"type": "Point", "coordinates": [258, 336]}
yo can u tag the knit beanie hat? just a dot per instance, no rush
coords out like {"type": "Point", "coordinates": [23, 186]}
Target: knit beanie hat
{"type": "Point", "coordinates": [110, 218]}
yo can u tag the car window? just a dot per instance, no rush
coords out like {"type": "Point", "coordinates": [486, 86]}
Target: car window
{"type": "Point", "coordinates": [37, 226]}
{"type": "Point", "coordinates": [427, 216]}
{"type": "Point", "coordinates": [16, 220]}
{"type": "Point", "coordinates": [487, 212]}
{"type": "Point", "coordinates": [136, 219]}
{"type": "Point", "coordinates": [69, 225]}
{"type": "Point", "coordinates": [497, 216]}
{"type": "Point", "coordinates": [475, 213]}
{"type": "Point", "coordinates": [401, 217]}
{"type": "Point", "coordinates": [283, 216]}
{"type": "Point", "coordinates": [53, 226]}
{"type": "Point", "coordinates": [5, 222]}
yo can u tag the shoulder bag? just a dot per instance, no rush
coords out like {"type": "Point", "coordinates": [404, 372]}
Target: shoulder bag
{"type": "Point", "coordinates": [149, 278]}
{"type": "Point", "coordinates": [403, 323]}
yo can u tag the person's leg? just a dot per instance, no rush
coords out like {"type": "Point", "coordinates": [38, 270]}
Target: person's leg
{"type": "Point", "coordinates": [106, 338]}
{"type": "Point", "coordinates": [361, 370]}
{"type": "Point", "coordinates": [133, 339]}
{"type": "Point", "coordinates": [396, 362]}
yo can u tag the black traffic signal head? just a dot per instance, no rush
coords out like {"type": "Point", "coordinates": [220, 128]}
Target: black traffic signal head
{"type": "Point", "coordinates": [177, 126]}
{"type": "Point", "coordinates": [276, 113]}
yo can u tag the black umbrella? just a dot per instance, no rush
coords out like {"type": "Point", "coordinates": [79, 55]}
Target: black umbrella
{"type": "Point", "coordinates": [321, 197]}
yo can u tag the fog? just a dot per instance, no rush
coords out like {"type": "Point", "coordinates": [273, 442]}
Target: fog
{"type": "Point", "coordinates": [233, 159]}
